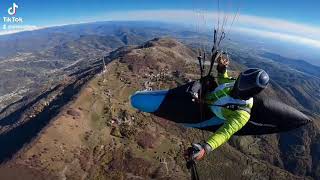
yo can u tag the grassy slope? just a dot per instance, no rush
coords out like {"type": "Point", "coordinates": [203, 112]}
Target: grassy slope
{"type": "Point", "coordinates": [100, 136]}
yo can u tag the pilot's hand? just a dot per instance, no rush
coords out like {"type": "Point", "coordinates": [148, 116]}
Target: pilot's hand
{"type": "Point", "coordinates": [200, 150]}
{"type": "Point", "coordinates": [196, 87]}
{"type": "Point", "coordinates": [223, 63]}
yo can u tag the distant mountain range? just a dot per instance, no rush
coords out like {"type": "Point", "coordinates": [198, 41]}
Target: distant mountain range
{"type": "Point", "coordinates": [44, 71]}
{"type": "Point", "coordinates": [125, 33]}
{"type": "Point", "coordinates": [298, 64]}
{"type": "Point", "coordinates": [28, 60]}
{"type": "Point", "coordinates": [298, 79]}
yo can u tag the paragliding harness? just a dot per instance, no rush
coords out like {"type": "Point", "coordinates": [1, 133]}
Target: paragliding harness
{"type": "Point", "coordinates": [191, 164]}
{"type": "Point", "coordinates": [235, 107]}
{"type": "Point", "coordinates": [207, 83]}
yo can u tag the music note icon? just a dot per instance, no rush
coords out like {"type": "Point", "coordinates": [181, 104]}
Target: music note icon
{"type": "Point", "coordinates": [12, 10]}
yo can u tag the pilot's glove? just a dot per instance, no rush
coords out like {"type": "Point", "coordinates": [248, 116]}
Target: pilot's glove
{"type": "Point", "coordinates": [200, 150]}
{"type": "Point", "coordinates": [195, 89]}
{"type": "Point", "coordinates": [223, 63]}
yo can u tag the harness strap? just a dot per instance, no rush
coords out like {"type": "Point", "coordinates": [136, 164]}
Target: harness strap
{"type": "Point", "coordinates": [191, 164]}
{"type": "Point", "coordinates": [217, 95]}
{"type": "Point", "coordinates": [235, 107]}
{"type": "Point", "coordinates": [193, 171]}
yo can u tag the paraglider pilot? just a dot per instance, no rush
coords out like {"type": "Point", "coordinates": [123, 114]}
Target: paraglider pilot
{"type": "Point", "coordinates": [231, 102]}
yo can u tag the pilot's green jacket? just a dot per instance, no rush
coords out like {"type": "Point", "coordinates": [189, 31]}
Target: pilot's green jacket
{"type": "Point", "coordinates": [234, 120]}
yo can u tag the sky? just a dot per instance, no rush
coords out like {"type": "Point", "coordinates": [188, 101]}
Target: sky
{"type": "Point", "coordinates": [48, 12]}
{"type": "Point", "coordinates": [287, 20]}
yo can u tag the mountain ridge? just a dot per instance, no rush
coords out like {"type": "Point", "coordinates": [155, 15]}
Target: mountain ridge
{"type": "Point", "coordinates": [104, 121]}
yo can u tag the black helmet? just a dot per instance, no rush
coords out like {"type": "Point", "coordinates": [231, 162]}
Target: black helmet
{"type": "Point", "coordinates": [249, 83]}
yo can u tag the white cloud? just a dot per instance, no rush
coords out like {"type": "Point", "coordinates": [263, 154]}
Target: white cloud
{"type": "Point", "coordinates": [281, 37]}
{"type": "Point", "coordinates": [10, 29]}
{"type": "Point", "coordinates": [279, 25]}
{"type": "Point", "coordinates": [179, 16]}
{"type": "Point", "coordinates": [266, 27]}
{"type": "Point", "coordinates": [261, 26]}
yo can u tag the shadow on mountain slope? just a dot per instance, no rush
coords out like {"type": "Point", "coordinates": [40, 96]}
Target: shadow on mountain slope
{"type": "Point", "coordinates": [16, 138]}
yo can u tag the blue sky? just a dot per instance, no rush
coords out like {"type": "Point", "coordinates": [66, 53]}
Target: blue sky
{"type": "Point", "coordinates": [52, 12]}
{"type": "Point", "coordinates": [288, 20]}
